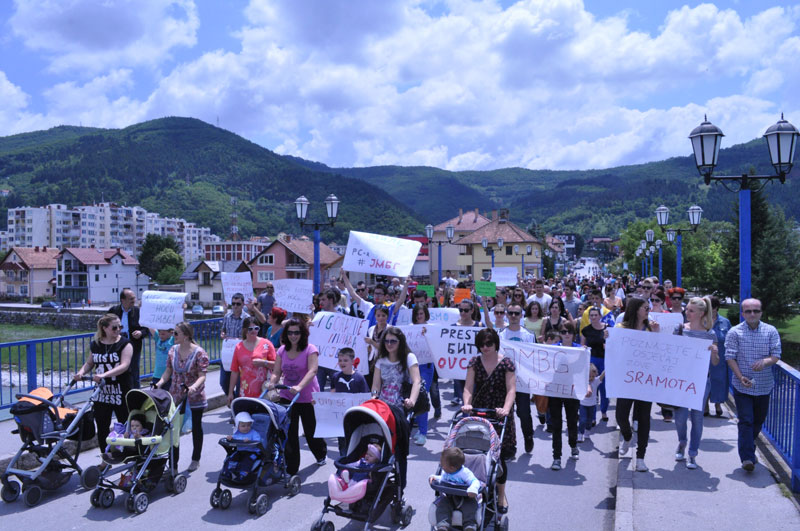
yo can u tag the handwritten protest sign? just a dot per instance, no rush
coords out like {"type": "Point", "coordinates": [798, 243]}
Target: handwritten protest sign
{"type": "Point", "coordinates": [452, 348]}
{"type": "Point", "coordinates": [461, 294]}
{"type": "Point", "coordinates": [664, 368]}
{"type": "Point", "coordinates": [504, 276]}
{"type": "Point", "coordinates": [226, 353]}
{"type": "Point", "coordinates": [427, 288]}
{"type": "Point", "coordinates": [403, 316]}
{"type": "Point", "coordinates": [294, 294]}
{"type": "Point", "coordinates": [233, 283]}
{"type": "Point", "coordinates": [667, 321]}
{"type": "Point", "coordinates": [380, 255]}
{"type": "Point", "coordinates": [549, 370]}
{"type": "Point", "coordinates": [417, 343]}
{"type": "Point", "coordinates": [329, 408]}
{"type": "Point", "coordinates": [161, 310]}
{"type": "Point", "coordinates": [331, 331]}
{"type": "Point", "coordinates": [486, 289]}
{"type": "Point", "coordinates": [443, 316]}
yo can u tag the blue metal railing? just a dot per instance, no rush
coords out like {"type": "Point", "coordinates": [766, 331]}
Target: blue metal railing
{"type": "Point", "coordinates": [51, 362]}
{"type": "Point", "coordinates": [782, 426]}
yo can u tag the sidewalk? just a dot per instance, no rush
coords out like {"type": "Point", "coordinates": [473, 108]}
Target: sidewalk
{"type": "Point", "coordinates": [717, 495]}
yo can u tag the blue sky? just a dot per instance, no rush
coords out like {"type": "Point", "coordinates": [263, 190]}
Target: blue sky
{"type": "Point", "coordinates": [457, 84]}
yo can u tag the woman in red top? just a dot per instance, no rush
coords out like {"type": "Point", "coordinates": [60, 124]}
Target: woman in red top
{"type": "Point", "coordinates": [253, 360]}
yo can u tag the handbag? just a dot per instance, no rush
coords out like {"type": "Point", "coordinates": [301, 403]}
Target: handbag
{"type": "Point", "coordinates": [423, 403]}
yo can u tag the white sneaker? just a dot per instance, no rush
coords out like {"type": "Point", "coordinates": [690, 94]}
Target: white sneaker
{"type": "Point", "coordinates": [574, 453]}
{"type": "Point", "coordinates": [640, 466]}
{"type": "Point", "coordinates": [581, 437]}
{"type": "Point", "coordinates": [194, 465]}
{"type": "Point", "coordinates": [679, 455]}
{"type": "Point", "coordinates": [623, 448]}
{"type": "Point", "coordinates": [691, 464]}
{"type": "Point", "coordinates": [420, 439]}
{"type": "Point", "coordinates": [556, 464]}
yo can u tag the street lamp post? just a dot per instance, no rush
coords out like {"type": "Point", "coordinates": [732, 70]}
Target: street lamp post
{"type": "Point", "coordinates": [781, 141]}
{"type": "Point", "coordinates": [659, 243]}
{"type": "Point", "coordinates": [528, 250]}
{"type": "Point", "coordinates": [486, 245]}
{"type": "Point", "coordinates": [450, 233]}
{"type": "Point", "coordinates": [662, 217]}
{"type": "Point", "coordinates": [652, 254]}
{"type": "Point", "coordinates": [332, 206]}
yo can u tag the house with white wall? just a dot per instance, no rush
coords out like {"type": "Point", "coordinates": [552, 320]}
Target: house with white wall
{"type": "Point", "coordinates": [97, 275]}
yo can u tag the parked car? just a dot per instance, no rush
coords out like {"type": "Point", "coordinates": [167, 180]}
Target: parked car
{"type": "Point", "coordinates": [197, 308]}
{"type": "Point", "coordinates": [51, 304]}
{"type": "Point", "coordinates": [218, 310]}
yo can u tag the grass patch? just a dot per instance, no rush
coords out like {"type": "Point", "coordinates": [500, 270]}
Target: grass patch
{"type": "Point", "coordinates": [789, 329]}
{"type": "Point", "coordinates": [10, 333]}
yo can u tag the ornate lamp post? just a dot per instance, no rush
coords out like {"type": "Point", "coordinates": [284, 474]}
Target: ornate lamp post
{"type": "Point", "coordinates": [486, 245]}
{"type": "Point", "coordinates": [332, 206]}
{"type": "Point", "coordinates": [659, 243]}
{"type": "Point", "coordinates": [450, 233]}
{"type": "Point", "coordinates": [662, 217]}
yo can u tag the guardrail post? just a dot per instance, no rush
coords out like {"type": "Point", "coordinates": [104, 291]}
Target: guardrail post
{"type": "Point", "coordinates": [795, 461]}
{"type": "Point", "coordinates": [30, 359]}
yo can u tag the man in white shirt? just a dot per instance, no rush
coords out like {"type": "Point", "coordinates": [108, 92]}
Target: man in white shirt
{"type": "Point", "coordinates": [539, 295]}
{"type": "Point", "coordinates": [515, 332]}
{"type": "Point", "coordinates": [451, 282]}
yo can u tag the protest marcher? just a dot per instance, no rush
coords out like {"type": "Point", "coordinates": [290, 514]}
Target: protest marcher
{"type": "Point", "coordinates": [636, 318]}
{"type": "Point", "coordinates": [515, 332]}
{"type": "Point", "coordinates": [232, 328]}
{"type": "Point", "coordinates": [557, 315]}
{"type": "Point", "coordinates": [719, 374]}
{"type": "Point", "coordinates": [347, 380]}
{"type": "Point", "coordinates": [698, 324]}
{"type": "Point", "coordinates": [570, 407]}
{"type": "Point", "coordinates": [420, 316]}
{"type": "Point", "coordinates": [275, 321]}
{"type": "Point", "coordinates": [466, 313]}
{"type": "Point", "coordinates": [329, 302]}
{"type": "Point", "coordinates": [128, 314]}
{"type": "Point", "coordinates": [253, 360]}
{"type": "Point", "coordinates": [534, 315]}
{"type": "Point", "coordinates": [594, 336]}
{"type": "Point", "coordinates": [751, 348]}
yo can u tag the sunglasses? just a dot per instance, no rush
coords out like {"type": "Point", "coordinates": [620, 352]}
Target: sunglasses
{"type": "Point", "coordinates": [751, 311]}
{"type": "Point", "coordinates": [391, 341]}
{"type": "Point", "coordinates": [252, 328]}
{"type": "Point", "coordinates": [115, 327]}
{"type": "Point", "coordinates": [499, 313]}
{"type": "Point", "coordinates": [358, 290]}
{"type": "Point", "coordinates": [488, 344]}
{"type": "Point", "coordinates": [293, 332]}
{"type": "Point", "coordinates": [656, 299]}
{"type": "Point", "coordinates": [677, 298]}
{"type": "Point", "coordinates": [514, 313]}
{"type": "Point", "coordinates": [464, 310]}
{"type": "Point", "coordinates": [236, 304]}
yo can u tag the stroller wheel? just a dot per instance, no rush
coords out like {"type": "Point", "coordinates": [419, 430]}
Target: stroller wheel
{"type": "Point", "coordinates": [140, 503]}
{"type": "Point", "coordinates": [262, 504]}
{"type": "Point", "coordinates": [32, 495]}
{"type": "Point", "coordinates": [179, 484]}
{"type": "Point", "coordinates": [294, 485]}
{"type": "Point", "coordinates": [10, 491]}
{"type": "Point", "coordinates": [90, 477]}
{"type": "Point", "coordinates": [95, 498]}
{"type": "Point", "coordinates": [107, 498]}
{"type": "Point", "coordinates": [327, 525]}
{"type": "Point", "coordinates": [225, 499]}
{"type": "Point", "coordinates": [216, 494]}
{"type": "Point", "coordinates": [502, 525]}
{"type": "Point", "coordinates": [405, 516]}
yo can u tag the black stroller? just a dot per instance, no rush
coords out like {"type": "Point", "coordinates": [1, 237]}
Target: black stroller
{"type": "Point", "coordinates": [478, 438]}
{"type": "Point", "coordinates": [140, 462]}
{"type": "Point", "coordinates": [373, 422]}
{"type": "Point", "coordinates": [45, 422]}
{"type": "Point", "coordinates": [265, 461]}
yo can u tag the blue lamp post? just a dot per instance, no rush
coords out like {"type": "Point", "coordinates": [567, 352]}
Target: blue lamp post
{"type": "Point", "coordinates": [486, 245]}
{"type": "Point", "coordinates": [649, 235]}
{"type": "Point", "coordinates": [781, 141]}
{"type": "Point", "coordinates": [332, 206]}
{"type": "Point", "coordinates": [662, 217]}
{"type": "Point", "coordinates": [659, 243]}
{"type": "Point", "coordinates": [528, 250]}
{"type": "Point", "coordinates": [450, 233]}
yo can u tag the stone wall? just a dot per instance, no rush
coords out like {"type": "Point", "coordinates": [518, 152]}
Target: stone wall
{"type": "Point", "coordinates": [83, 321]}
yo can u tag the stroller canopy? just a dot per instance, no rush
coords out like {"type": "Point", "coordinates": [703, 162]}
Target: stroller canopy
{"type": "Point", "coordinates": [161, 400]}
{"type": "Point", "coordinates": [475, 433]}
{"type": "Point", "coordinates": [372, 411]}
{"type": "Point", "coordinates": [278, 414]}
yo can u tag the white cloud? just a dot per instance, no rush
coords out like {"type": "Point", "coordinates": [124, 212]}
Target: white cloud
{"type": "Point", "coordinates": [86, 35]}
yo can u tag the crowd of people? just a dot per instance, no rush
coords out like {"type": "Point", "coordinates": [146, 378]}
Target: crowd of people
{"type": "Point", "coordinates": [275, 349]}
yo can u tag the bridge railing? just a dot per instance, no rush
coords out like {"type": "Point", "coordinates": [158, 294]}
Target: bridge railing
{"type": "Point", "coordinates": [782, 426]}
{"type": "Point", "coordinates": [51, 362]}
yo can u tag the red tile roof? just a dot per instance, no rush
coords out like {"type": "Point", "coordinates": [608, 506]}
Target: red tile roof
{"type": "Point", "coordinates": [94, 256]}
{"type": "Point", "coordinates": [469, 221]}
{"type": "Point", "coordinates": [497, 229]}
{"type": "Point", "coordinates": [304, 249]}
{"type": "Point", "coordinates": [35, 257]}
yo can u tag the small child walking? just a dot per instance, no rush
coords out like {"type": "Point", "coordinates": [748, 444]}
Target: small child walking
{"type": "Point", "coordinates": [454, 471]}
{"type": "Point", "coordinates": [347, 380]}
{"type": "Point", "coordinates": [588, 409]}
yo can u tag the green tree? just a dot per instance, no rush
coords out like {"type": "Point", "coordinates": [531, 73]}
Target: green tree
{"type": "Point", "coordinates": [153, 245]}
{"type": "Point", "coordinates": [170, 267]}
{"type": "Point", "coordinates": [170, 275]}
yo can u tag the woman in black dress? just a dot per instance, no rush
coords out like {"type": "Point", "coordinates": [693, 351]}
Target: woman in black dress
{"type": "Point", "coordinates": [492, 384]}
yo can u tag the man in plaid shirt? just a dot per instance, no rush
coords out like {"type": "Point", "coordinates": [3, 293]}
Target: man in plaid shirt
{"type": "Point", "coordinates": [751, 347]}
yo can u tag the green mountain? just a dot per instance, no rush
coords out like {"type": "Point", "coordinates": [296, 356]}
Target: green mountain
{"type": "Point", "coordinates": [183, 167]}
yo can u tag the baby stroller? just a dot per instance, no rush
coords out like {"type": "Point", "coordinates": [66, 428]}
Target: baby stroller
{"type": "Point", "coordinates": [478, 438]}
{"type": "Point", "coordinates": [256, 465]}
{"type": "Point", "coordinates": [140, 462]}
{"type": "Point", "coordinates": [45, 422]}
{"type": "Point", "coordinates": [373, 422]}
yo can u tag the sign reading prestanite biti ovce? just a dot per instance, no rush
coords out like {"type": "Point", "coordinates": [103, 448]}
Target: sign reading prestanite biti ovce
{"type": "Point", "coordinates": [380, 255]}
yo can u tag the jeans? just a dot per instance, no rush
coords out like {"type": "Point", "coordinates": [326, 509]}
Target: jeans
{"type": "Point", "coordinates": [586, 417]}
{"type": "Point", "coordinates": [458, 389]}
{"type": "Point", "coordinates": [324, 375]}
{"type": "Point", "coordinates": [445, 506]}
{"type": "Point", "coordinates": [641, 414]}
{"type": "Point", "coordinates": [523, 403]}
{"type": "Point", "coordinates": [436, 400]}
{"type": "Point", "coordinates": [752, 411]}
{"type": "Point", "coordinates": [426, 373]}
{"type": "Point", "coordinates": [600, 363]}
{"type": "Point", "coordinates": [682, 416]}
{"type": "Point", "coordinates": [571, 409]}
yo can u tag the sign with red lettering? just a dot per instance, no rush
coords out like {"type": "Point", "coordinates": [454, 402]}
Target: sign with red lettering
{"type": "Point", "coordinates": [332, 331]}
{"type": "Point", "coordinates": [665, 368]}
{"type": "Point", "coordinates": [452, 347]}
{"type": "Point", "coordinates": [549, 370]}
{"type": "Point", "coordinates": [380, 255]}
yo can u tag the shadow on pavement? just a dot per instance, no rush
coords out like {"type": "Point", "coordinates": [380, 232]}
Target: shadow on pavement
{"type": "Point", "coordinates": [679, 478]}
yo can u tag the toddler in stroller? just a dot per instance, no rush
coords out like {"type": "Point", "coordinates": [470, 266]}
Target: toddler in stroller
{"type": "Point", "coordinates": [455, 473]}
{"type": "Point", "coordinates": [347, 488]}
{"type": "Point", "coordinates": [245, 460]}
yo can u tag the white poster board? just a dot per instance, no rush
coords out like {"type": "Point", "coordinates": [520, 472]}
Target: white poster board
{"type": "Point", "coordinates": [226, 354]}
{"type": "Point", "coordinates": [549, 370]}
{"type": "Point", "coordinates": [418, 343]}
{"type": "Point", "coordinates": [664, 368]}
{"type": "Point", "coordinates": [667, 322]}
{"type": "Point", "coordinates": [233, 283]}
{"type": "Point", "coordinates": [452, 348]}
{"type": "Point", "coordinates": [443, 316]}
{"type": "Point", "coordinates": [161, 310]}
{"type": "Point", "coordinates": [294, 294]}
{"type": "Point", "coordinates": [380, 255]}
{"type": "Point", "coordinates": [504, 276]}
{"type": "Point", "coordinates": [403, 316]}
{"type": "Point", "coordinates": [329, 409]}
{"type": "Point", "coordinates": [332, 331]}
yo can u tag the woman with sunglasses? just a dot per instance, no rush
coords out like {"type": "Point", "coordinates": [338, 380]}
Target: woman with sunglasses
{"type": "Point", "coordinates": [492, 384]}
{"type": "Point", "coordinates": [187, 365]}
{"type": "Point", "coordinates": [557, 316]}
{"type": "Point", "coordinates": [657, 300]}
{"type": "Point", "coordinates": [594, 336]}
{"type": "Point", "coordinates": [275, 319]}
{"type": "Point", "coordinates": [253, 360]}
{"type": "Point", "coordinates": [297, 361]}
{"type": "Point", "coordinates": [427, 371]}
{"type": "Point", "coordinates": [111, 354]}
